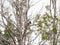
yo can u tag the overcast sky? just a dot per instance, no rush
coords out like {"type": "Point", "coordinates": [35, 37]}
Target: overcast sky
{"type": "Point", "coordinates": [39, 7]}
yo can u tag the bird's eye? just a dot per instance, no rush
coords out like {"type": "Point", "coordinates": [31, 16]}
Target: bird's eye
{"type": "Point", "coordinates": [29, 22]}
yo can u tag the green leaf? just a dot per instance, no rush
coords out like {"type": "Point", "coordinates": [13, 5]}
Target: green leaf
{"type": "Point", "coordinates": [48, 7]}
{"type": "Point", "coordinates": [45, 36]}
{"type": "Point", "coordinates": [53, 1]}
{"type": "Point", "coordinates": [54, 30]}
{"type": "Point", "coordinates": [39, 24]}
{"type": "Point", "coordinates": [7, 34]}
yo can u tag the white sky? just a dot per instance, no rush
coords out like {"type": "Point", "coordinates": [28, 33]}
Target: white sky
{"type": "Point", "coordinates": [39, 7]}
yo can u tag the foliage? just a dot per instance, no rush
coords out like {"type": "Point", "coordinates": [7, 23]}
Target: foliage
{"type": "Point", "coordinates": [45, 24]}
{"type": "Point", "coordinates": [8, 31]}
{"type": "Point", "coordinates": [48, 7]}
